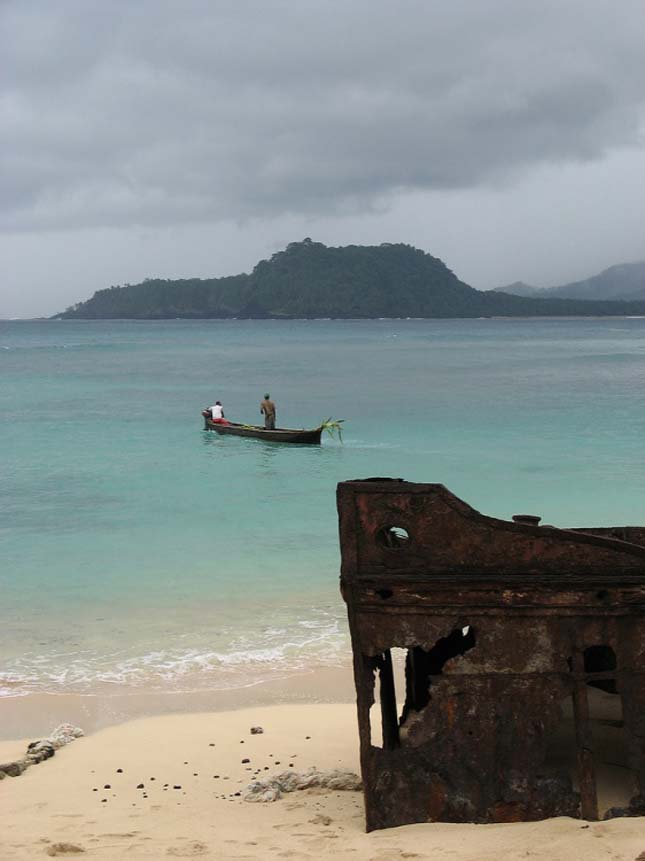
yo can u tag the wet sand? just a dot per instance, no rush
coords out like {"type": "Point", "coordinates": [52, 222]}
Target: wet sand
{"type": "Point", "coordinates": [36, 715]}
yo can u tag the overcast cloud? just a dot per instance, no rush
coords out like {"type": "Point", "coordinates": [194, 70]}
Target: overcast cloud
{"type": "Point", "coordinates": [243, 125]}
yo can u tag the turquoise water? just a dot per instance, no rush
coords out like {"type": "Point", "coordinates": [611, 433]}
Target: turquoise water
{"type": "Point", "coordinates": [139, 551]}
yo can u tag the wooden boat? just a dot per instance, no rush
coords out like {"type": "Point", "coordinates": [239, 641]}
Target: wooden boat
{"type": "Point", "coordinates": [292, 435]}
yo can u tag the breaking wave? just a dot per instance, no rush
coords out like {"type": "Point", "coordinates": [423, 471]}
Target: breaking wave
{"type": "Point", "coordinates": [185, 664]}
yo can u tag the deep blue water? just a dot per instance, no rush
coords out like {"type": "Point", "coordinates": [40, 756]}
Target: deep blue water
{"type": "Point", "coordinates": [139, 550]}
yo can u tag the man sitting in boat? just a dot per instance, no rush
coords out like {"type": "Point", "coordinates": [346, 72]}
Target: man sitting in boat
{"type": "Point", "coordinates": [217, 413]}
{"type": "Point", "coordinates": [267, 407]}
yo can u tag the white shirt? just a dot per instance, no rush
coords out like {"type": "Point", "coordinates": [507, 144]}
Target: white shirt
{"type": "Point", "coordinates": [217, 411]}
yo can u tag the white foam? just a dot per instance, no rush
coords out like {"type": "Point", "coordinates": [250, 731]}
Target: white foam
{"type": "Point", "coordinates": [243, 659]}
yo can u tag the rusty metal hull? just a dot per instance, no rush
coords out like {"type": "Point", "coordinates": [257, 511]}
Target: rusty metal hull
{"type": "Point", "coordinates": [508, 632]}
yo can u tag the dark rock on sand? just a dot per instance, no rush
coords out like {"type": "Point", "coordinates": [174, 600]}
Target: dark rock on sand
{"type": "Point", "coordinates": [38, 751]}
{"type": "Point", "coordinates": [64, 849]}
{"type": "Point", "coordinates": [41, 749]}
{"type": "Point", "coordinates": [14, 769]}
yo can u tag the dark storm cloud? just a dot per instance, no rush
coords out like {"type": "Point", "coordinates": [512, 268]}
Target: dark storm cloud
{"type": "Point", "coordinates": [166, 112]}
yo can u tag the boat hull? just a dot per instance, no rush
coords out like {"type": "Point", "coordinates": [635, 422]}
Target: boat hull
{"type": "Point", "coordinates": [290, 435]}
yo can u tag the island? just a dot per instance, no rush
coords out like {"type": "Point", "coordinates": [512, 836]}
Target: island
{"type": "Point", "coordinates": [311, 280]}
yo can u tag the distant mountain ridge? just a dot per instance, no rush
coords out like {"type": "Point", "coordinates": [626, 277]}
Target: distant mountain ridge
{"type": "Point", "coordinates": [310, 280]}
{"type": "Point", "coordinates": [520, 288]}
{"type": "Point", "coordinates": [624, 282]}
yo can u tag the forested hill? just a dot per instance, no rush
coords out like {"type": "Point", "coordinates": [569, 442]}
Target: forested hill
{"type": "Point", "coordinates": [310, 280]}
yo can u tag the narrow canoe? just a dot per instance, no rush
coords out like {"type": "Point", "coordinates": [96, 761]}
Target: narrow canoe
{"type": "Point", "coordinates": [302, 437]}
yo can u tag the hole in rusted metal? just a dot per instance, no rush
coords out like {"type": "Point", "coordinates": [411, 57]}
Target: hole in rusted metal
{"type": "Point", "coordinates": [376, 731]}
{"type": "Point", "coordinates": [392, 537]}
{"type": "Point", "coordinates": [601, 659]}
{"type": "Point", "coordinates": [615, 780]}
{"type": "Point", "coordinates": [422, 665]}
{"type": "Point", "coordinates": [385, 700]}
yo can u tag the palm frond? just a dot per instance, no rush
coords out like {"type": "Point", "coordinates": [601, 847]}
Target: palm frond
{"type": "Point", "coordinates": [333, 427]}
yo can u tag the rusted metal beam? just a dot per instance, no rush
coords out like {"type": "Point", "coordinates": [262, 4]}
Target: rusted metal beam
{"type": "Point", "coordinates": [584, 741]}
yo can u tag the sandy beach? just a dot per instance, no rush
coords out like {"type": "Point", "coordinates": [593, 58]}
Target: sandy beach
{"type": "Point", "coordinates": [166, 786]}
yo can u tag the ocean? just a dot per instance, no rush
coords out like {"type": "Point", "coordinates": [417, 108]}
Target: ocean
{"type": "Point", "coordinates": [140, 552]}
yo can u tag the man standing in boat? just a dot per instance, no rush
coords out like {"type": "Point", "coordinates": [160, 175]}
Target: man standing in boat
{"type": "Point", "coordinates": [267, 407]}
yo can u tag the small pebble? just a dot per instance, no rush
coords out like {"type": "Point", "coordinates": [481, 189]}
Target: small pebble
{"type": "Point", "coordinates": [139, 785]}
{"type": "Point", "coordinates": [245, 760]}
{"type": "Point", "coordinates": [176, 787]}
{"type": "Point", "coordinates": [119, 771]}
{"type": "Point", "coordinates": [256, 730]}
{"type": "Point", "coordinates": [107, 786]}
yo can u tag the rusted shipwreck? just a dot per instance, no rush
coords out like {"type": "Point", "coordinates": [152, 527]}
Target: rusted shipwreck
{"type": "Point", "coordinates": [520, 651]}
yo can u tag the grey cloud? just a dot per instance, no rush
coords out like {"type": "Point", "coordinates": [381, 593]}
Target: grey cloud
{"type": "Point", "coordinates": [158, 113]}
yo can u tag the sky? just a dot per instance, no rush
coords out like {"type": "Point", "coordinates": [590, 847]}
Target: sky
{"type": "Point", "coordinates": [192, 138]}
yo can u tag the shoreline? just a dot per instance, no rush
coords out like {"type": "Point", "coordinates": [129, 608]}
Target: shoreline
{"type": "Point", "coordinates": [60, 319]}
{"type": "Point", "coordinates": [36, 715]}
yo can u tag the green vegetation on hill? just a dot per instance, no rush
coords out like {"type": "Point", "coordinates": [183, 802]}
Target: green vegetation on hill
{"type": "Point", "coordinates": [310, 280]}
